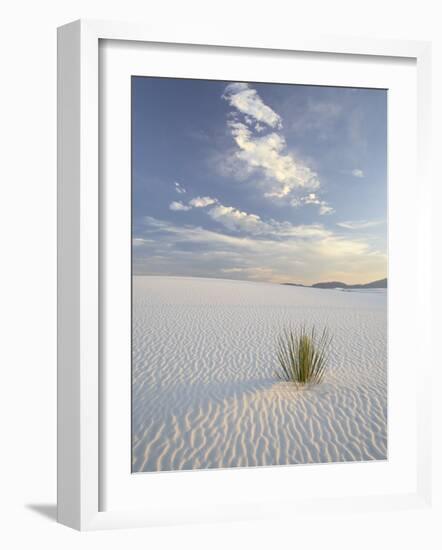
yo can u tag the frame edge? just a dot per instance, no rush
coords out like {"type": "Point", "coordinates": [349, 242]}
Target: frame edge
{"type": "Point", "coordinates": [68, 276]}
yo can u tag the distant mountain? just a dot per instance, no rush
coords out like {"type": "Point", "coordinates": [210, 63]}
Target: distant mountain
{"type": "Point", "coordinates": [382, 283]}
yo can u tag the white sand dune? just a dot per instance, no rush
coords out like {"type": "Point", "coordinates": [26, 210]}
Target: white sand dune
{"type": "Point", "coordinates": [205, 393]}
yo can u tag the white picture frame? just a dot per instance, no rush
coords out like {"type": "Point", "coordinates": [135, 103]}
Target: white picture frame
{"type": "Point", "coordinates": [80, 394]}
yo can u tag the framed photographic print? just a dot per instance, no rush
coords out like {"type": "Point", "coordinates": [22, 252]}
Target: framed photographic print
{"type": "Point", "coordinates": [234, 252]}
{"type": "Point", "coordinates": [259, 274]}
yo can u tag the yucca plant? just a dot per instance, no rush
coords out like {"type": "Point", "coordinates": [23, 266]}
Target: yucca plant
{"type": "Point", "coordinates": [302, 355]}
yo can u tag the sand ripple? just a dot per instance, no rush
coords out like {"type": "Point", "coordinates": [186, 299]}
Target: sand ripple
{"type": "Point", "coordinates": [204, 390]}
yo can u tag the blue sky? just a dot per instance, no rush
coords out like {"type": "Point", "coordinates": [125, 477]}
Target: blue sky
{"type": "Point", "coordinates": [265, 182]}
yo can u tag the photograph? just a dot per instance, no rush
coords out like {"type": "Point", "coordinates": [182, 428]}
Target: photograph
{"type": "Point", "coordinates": [259, 274]}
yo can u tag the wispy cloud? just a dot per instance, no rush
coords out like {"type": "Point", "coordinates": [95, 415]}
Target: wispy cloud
{"type": "Point", "coordinates": [325, 208]}
{"type": "Point", "coordinates": [246, 100]}
{"type": "Point", "coordinates": [278, 252]}
{"type": "Point", "coordinates": [190, 233]}
{"type": "Point", "coordinates": [140, 242]}
{"type": "Point", "coordinates": [178, 206]}
{"type": "Point", "coordinates": [362, 224]}
{"type": "Point", "coordinates": [357, 173]}
{"type": "Point", "coordinates": [179, 188]}
{"type": "Point", "coordinates": [237, 220]}
{"type": "Point", "coordinates": [312, 198]}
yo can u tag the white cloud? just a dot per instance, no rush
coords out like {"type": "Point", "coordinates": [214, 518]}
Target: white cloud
{"type": "Point", "coordinates": [201, 202]}
{"type": "Point", "coordinates": [312, 198]}
{"type": "Point", "coordinates": [325, 208]}
{"type": "Point", "coordinates": [267, 154]}
{"type": "Point", "coordinates": [197, 202]}
{"type": "Point", "coordinates": [363, 224]}
{"type": "Point", "coordinates": [178, 206]}
{"type": "Point", "coordinates": [278, 171]}
{"type": "Point", "coordinates": [247, 101]}
{"type": "Point", "coordinates": [237, 220]}
{"type": "Point", "coordinates": [357, 173]}
{"type": "Point", "coordinates": [179, 188]}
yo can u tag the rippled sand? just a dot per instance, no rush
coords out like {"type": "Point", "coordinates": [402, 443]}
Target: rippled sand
{"type": "Point", "coordinates": [204, 390]}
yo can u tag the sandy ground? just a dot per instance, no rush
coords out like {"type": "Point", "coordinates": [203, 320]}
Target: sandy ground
{"type": "Point", "coordinates": [205, 394]}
